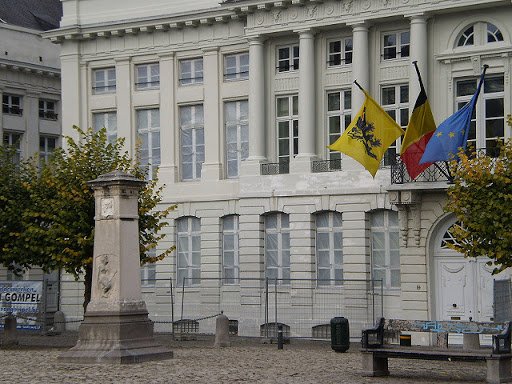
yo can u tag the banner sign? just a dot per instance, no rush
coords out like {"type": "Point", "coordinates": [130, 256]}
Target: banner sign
{"type": "Point", "coordinates": [22, 299]}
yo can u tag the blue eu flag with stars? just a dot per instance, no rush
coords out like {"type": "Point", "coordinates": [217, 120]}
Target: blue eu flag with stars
{"type": "Point", "coordinates": [452, 134]}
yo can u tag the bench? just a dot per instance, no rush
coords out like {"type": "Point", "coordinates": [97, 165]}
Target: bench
{"type": "Point", "coordinates": [375, 352]}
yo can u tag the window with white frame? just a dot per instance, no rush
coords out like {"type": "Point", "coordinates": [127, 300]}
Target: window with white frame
{"type": "Point", "coordinates": [339, 110]}
{"type": "Point", "coordinates": [385, 248]}
{"type": "Point", "coordinates": [329, 248]}
{"type": "Point", "coordinates": [237, 135]}
{"type": "Point", "coordinates": [103, 80]}
{"type": "Point", "coordinates": [339, 52]}
{"type": "Point", "coordinates": [487, 127]}
{"type": "Point", "coordinates": [236, 66]}
{"type": "Point", "coordinates": [191, 71]}
{"type": "Point", "coordinates": [188, 251]}
{"type": "Point", "coordinates": [479, 33]}
{"type": "Point", "coordinates": [148, 271]}
{"type": "Point", "coordinates": [14, 139]}
{"type": "Point", "coordinates": [230, 256]}
{"type": "Point", "coordinates": [287, 115]}
{"type": "Point", "coordinates": [147, 76]}
{"type": "Point", "coordinates": [47, 145]}
{"type": "Point", "coordinates": [288, 58]}
{"type": "Point", "coordinates": [277, 247]}
{"type": "Point", "coordinates": [107, 120]}
{"type": "Point", "coordinates": [148, 130]}
{"type": "Point", "coordinates": [192, 141]}
{"type": "Point", "coordinates": [395, 101]}
{"type": "Point", "coordinates": [47, 110]}
{"type": "Point", "coordinates": [395, 45]}
{"type": "Point", "coordinates": [11, 104]}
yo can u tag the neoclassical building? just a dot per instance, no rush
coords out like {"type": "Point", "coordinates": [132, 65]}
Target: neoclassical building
{"type": "Point", "coordinates": [235, 104]}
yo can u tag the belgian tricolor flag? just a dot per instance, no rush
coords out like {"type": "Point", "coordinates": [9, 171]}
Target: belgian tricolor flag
{"type": "Point", "coordinates": [419, 131]}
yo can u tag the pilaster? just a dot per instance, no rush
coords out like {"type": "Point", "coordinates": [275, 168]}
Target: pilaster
{"type": "Point", "coordinates": [71, 89]}
{"type": "Point", "coordinates": [419, 53]}
{"type": "Point", "coordinates": [124, 103]}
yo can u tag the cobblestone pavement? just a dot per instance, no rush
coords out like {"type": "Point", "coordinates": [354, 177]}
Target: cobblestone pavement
{"type": "Point", "coordinates": [246, 361]}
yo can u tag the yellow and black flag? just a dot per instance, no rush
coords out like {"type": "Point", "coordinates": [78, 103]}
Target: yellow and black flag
{"type": "Point", "coordinates": [419, 131]}
{"type": "Point", "coordinates": [369, 135]}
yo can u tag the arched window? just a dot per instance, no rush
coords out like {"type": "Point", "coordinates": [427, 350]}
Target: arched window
{"type": "Point", "coordinates": [188, 247]}
{"type": "Point", "coordinates": [385, 248]}
{"type": "Point", "coordinates": [479, 34]}
{"type": "Point", "coordinates": [467, 37]}
{"type": "Point", "coordinates": [277, 247]}
{"type": "Point", "coordinates": [329, 248]}
{"type": "Point", "coordinates": [493, 33]}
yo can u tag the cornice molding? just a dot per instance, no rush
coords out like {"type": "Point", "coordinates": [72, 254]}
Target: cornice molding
{"type": "Point", "coordinates": [19, 66]}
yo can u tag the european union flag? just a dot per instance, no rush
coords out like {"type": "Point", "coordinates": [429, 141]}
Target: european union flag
{"type": "Point", "coordinates": [452, 134]}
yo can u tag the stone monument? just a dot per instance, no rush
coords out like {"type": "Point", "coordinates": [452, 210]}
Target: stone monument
{"type": "Point", "coordinates": [116, 327]}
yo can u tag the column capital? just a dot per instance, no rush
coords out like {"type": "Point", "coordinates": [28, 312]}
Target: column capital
{"type": "Point", "coordinates": [417, 17]}
{"type": "Point", "coordinates": [359, 26]}
{"type": "Point", "coordinates": [210, 50]}
{"type": "Point", "coordinates": [256, 39]}
{"type": "Point", "coordinates": [166, 56]}
{"type": "Point", "coordinates": [123, 60]}
{"type": "Point", "coordinates": [305, 32]}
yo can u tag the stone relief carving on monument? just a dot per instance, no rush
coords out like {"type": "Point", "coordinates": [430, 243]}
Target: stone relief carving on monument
{"type": "Point", "coordinates": [107, 207]}
{"type": "Point", "coordinates": [105, 276]}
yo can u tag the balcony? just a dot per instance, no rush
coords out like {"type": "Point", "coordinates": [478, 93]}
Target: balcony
{"type": "Point", "coordinates": [280, 168]}
{"type": "Point", "coordinates": [326, 166]}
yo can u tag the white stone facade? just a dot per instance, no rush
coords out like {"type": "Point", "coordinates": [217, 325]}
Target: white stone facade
{"type": "Point", "coordinates": [333, 43]}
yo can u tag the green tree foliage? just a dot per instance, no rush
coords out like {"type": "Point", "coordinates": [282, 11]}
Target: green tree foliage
{"type": "Point", "coordinates": [58, 222]}
{"type": "Point", "coordinates": [481, 198]}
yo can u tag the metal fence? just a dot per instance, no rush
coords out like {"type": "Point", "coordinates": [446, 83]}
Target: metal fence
{"type": "Point", "coordinates": [255, 307]}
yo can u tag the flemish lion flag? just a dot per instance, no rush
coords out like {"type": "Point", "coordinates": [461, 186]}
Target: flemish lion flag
{"type": "Point", "coordinates": [419, 131]}
{"type": "Point", "coordinates": [368, 136]}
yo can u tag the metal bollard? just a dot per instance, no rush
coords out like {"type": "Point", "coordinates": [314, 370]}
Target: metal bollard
{"type": "Point", "coordinates": [279, 337]}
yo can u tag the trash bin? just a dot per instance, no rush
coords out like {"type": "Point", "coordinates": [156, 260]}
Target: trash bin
{"type": "Point", "coordinates": [405, 340]}
{"type": "Point", "coordinates": [340, 335]}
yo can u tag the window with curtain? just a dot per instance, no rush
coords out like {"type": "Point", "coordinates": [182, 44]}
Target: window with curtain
{"type": "Point", "coordinates": [385, 248]}
{"type": "Point", "coordinates": [329, 248]}
{"type": "Point", "coordinates": [277, 247]}
{"type": "Point", "coordinates": [107, 120]}
{"type": "Point", "coordinates": [230, 259]}
{"type": "Point", "coordinates": [188, 251]}
{"type": "Point", "coordinates": [148, 130]}
{"type": "Point", "coordinates": [237, 135]}
{"type": "Point", "coordinates": [192, 141]}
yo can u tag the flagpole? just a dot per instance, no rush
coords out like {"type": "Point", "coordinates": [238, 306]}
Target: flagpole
{"type": "Point", "coordinates": [415, 63]}
{"type": "Point", "coordinates": [361, 88]}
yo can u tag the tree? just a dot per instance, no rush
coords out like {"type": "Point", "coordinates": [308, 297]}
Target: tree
{"type": "Point", "coordinates": [481, 198]}
{"type": "Point", "coordinates": [58, 224]}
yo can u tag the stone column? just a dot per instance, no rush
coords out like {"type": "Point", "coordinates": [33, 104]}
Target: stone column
{"type": "Point", "coordinates": [116, 327]}
{"type": "Point", "coordinates": [168, 170]}
{"type": "Point", "coordinates": [124, 103]}
{"type": "Point", "coordinates": [257, 126]}
{"type": "Point", "coordinates": [71, 88]}
{"type": "Point", "coordinates": [211, 169]}
{"type": "Point", "coordinates": [307, 103]}
{"type": "Point", "coordinates": [419, 53]}
{"type": "Point", "coordinates": [30, 140]}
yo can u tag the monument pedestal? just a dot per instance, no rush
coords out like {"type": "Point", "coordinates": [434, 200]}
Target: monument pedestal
{"type": "Point", "coordinates": [116, 327]}
{"type": "Point", "coordinates": [120, 337]}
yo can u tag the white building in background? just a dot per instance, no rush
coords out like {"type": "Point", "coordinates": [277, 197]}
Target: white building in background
{"type": "Point", "coordinates": [236, 102]}
{"type": "Point", "coordinates": [30, 87]}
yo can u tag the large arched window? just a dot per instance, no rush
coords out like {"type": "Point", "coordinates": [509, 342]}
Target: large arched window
{"type": "Point", "coordinates": [385, 247]}
{"type": "Point", "coordinates": [277, 247]}
{"type": "Point", "coordinates": [188, 247]}
{"type": "Point", "coordinates": [329, 248]}
{"type": "Point", "coordinates": [479, 33]}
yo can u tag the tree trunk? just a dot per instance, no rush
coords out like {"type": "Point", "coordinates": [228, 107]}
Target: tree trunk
{"type": "Point", "coordinates": [88, 285]}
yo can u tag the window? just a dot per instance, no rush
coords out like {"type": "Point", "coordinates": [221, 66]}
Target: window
{"type": "Point", "coordinates": [287, 127]}
{"type": "Point", "coordinates": [147, 76]}
{"type": "Point", "coordinates": [395, 101]}
{"type": "Point", "coordinates": [188, 251]}
{"type": "Point", "coordinates": [237, 135]}
{"type": "Point", "coordinates": [329, 248]}
{"type": "Point", "coordinates": [339, 109]}
{"type": "Point", "coordinates": [14, 139]}
{"type": "Point", "coordinates": [104, 80]}
{"type": "Point", "coordinates": [478, 34]}
{"type": "Point", "coordinates": [236, 66]}
{"type": "Point", "coordinates": [277, 247]}
{"type": "Point", "coordinates": [385, 249]}
{"type": "Point", "coordinates": [488, 121]}
{"type": "Point", "coordinates": [148, 271]}
{"type": "Point", "coordinates": [11, 105]}
{"type": "Point", "coordinates": [339, 52]}
{"type": "Point", "coordinates": [107, 120]}
{"type": "Point", "coordinates": [467, 37]}
{"type": "Point", "coordinates": [288, 58]}
{"type": "Point", "coordinates": [192, 141]}
{"type": "Point", "coordinates": [148, 129]}
{"type": "Point", "coordinates": [47, 145]}
{"type": "Point", "coordinates": [191, 71]}
{"type": "Point", "coordinates": [230, 260]}
{"type": "Point", "coordinates": [396, 45]}
{"type": "Point", "coordinates": [47, 110]}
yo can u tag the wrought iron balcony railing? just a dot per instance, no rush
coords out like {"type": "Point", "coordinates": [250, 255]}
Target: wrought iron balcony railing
{"type": "Point", "coordinates": [326, 166]}
{"type": "Point", "coordinates": [280, 168]}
